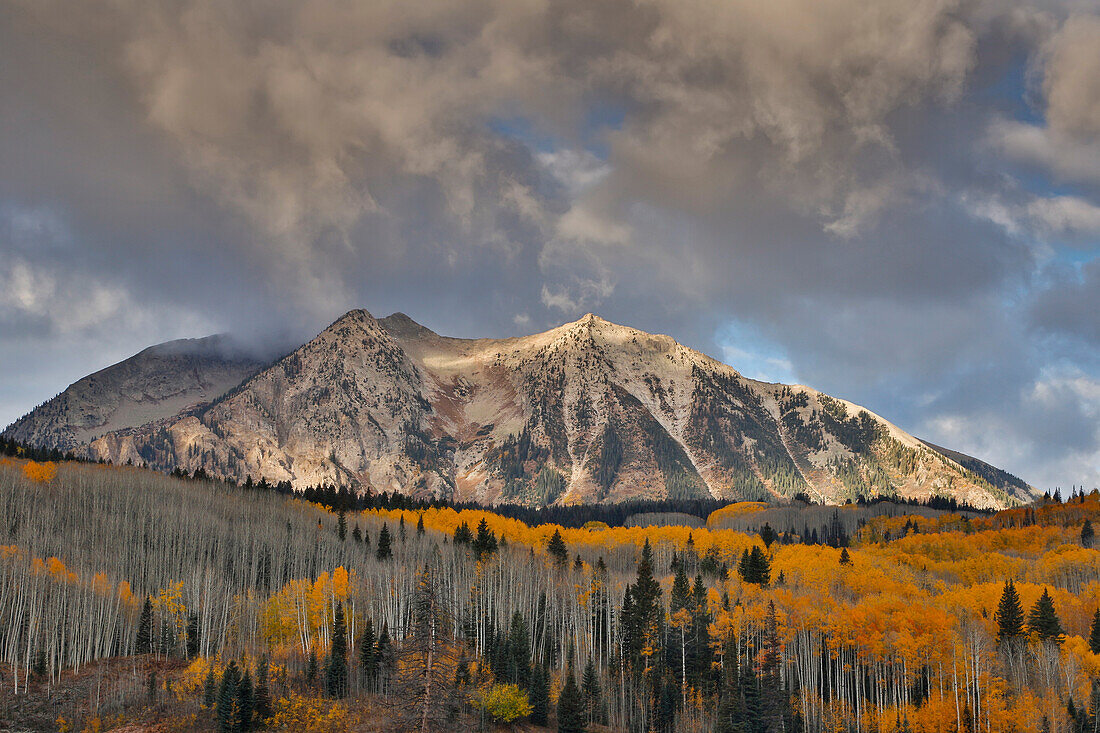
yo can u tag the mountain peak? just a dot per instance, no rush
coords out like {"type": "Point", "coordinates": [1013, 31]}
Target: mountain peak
{"type": "Point", "coordinates": [401, 326]}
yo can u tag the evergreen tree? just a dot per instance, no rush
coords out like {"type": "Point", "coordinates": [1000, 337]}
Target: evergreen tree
{"type": "Point", "coordinates": [680, 596]}
{"type": "Point", "coordinates": [385, 659]}
{"type": "Point", "coordinates": [311, 668]}
{"type": "Point", "coordinates": [462, 535]}
{"type": "Point", "coordinates": [246, 701]}
{"type": "Point", "coordinates": [357, 534]}
{"type": "Point", "coordinates": [700, 654]}
{"type": "Point", "coordinates": [665, 713]}
{"type": "Point", "coordinates": [556, 549]}
{"type": "Point", "coordinates": [420, 525]}
{"type": "Point", "coordinates": [263, 691]}
{"type": "Point", "coordinates": [593, 694]}
{"type": "Point", "coordinates": [144, 642]}
{"type": "Point", "coordinates": [768, 535]}
{"type": "Point", "coordinates": [384, 552]}
{"type": "Point", "coordinates": [368, 662]}
{"type": "Point", "coordinates": [229, 712]}
{"type": "Point", "coordinates": [1094, 633]}
{"type": "Point", "coordinates": [336, 668]}
{"type": "Point", "coordinates": [209, 689]}
{"type": "Point", "coordinates": [539, 692]}
{"type": "Point", "coordinates": [754, 566]}
{"type": "Point", "coordinates": [571, 714]}
{"type": "Point", "coordinates": [341, 525]}
{"type": "Point", "coordinates": [1043, 621]}
{"type": "Point", "coordinates": [1087, 534]}
{"type": "Point", "coordinates": [845, 558]}
{"type": "Point", "coordinates": [192, 635]}
{"type": "Point", "coordinates": [519, 651]}
{"type": "Point", "coordinates": [485, 542]}
{"type": "Point", "coordinates": [1009, 615]}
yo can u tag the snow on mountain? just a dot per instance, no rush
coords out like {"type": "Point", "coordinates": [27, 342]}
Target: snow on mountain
{"type": "Point", "coordinates": [587, 412]}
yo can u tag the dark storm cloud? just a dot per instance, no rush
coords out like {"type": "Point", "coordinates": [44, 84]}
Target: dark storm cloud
{"type": "Point", "coordinates": [859, 185]}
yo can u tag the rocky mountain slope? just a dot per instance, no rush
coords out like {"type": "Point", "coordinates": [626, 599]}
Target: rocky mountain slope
{"type": "Point", "coordinates": [150, 386]}
{"type": "Point", "coordinates": [589, 411]}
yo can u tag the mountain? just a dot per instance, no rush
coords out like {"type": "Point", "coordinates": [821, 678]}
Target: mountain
{"type": "Point", "coordinates": [150, 386]}
{"type": "Point", "coordinates": [587, 412]}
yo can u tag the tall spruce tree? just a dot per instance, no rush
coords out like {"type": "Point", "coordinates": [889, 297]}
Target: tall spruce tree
{"type": "Point", "coordinates": [210, 689]}
{"type": "Point", "coordinates": [539, 693]}
{"type": "Point", "coordinates": [384, 551]}
{"type": "Point", "coordinates": [519, 651]}
{"type": "Point", "coordinates": [1094, 633]}
{"type": "Point", "coordinates": [556, 548]}
{"type": "Point", "coordinates": [368, 662]}
{"type": "Point", "coordinates": [571, 713]}
{"type": "Point", "coordinates": [1043, 620]}
{"type": "Point", "coordinates": [1009, 615]}
{"type": "Point", "coordinates": [593, 694]}
{"type": "Point", "coordinates": [336, 667]}
{"type": "Point", "coordinates": [1087, 534]}
{"type": "Point", "coordinates": [263, 690]}
{"type": "Point", "coordinates": [143, 644]}
{"type": "Point", "coordinates": [341, 525]}
{"type": "Point", "coordinates": [229, 705]}
{"type": "Point", "coordinates": [246, 702]}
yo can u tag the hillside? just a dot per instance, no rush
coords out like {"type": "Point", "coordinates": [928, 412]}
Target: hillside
{"type": "Point", "coordinates": [587, 412]}
{"type": "Point", "coordinates": [897, 626]}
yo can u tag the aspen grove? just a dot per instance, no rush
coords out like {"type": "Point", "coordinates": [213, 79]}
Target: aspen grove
{"type": "Point", "coordinates": [271, 606]}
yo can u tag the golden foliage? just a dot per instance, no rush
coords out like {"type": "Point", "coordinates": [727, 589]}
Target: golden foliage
{"type": "Point", "coordinates": [41, 473]}
{"type": "Point", "coordinates": [297, 714]}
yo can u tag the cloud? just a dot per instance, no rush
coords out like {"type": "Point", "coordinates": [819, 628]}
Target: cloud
{"type": "Point", "coordinates": [851, 183]}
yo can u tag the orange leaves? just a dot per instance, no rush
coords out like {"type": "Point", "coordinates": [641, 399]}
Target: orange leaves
{"type": "Point", "coordinates": [40, 473]}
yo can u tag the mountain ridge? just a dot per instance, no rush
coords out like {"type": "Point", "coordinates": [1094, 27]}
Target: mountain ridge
{"type": "Point", "coordinates": [588, 411]}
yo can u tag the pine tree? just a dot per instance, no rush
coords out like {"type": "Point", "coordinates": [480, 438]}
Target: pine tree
{"type": "Point", "coordinates": [368, 662]}
{"type": "Point", "coordinates": [1087, 534]}
{"type": "Point", "coordinates": [246, 701]}
{"type": "Point", "coordinates": [462, 535]}
{"type": "Point", "coordinates": [539, 692]}
{"type": "Point", "coordinates": [144, 642]}
{"type": "Point", "coordinates": [519, 651]}
{"type": "Point", "coordinates": [571, 714]}
{"type": "Point", "coordinates": [385, 659]}
{"type": "Point", "coordinates": [209, 689]}
{"type": "Point", "coordinates": [768, 535]}
{"type": "Point", "coordinates": [485, 542]}
{"type": "Point", "coordinates": [420, 525]}
{"type": "Point", "coordinates": [1094, 633]}
{"type": "Point", "coordinates": [1043, 620]}
{"type": "Point", "coordinates": [192, 635]}
{"type": "Point", "coordinates": [1009, 615]}
{"type": "Point", "coordinates": [593, 694]}
{"type": "Point", "coordinates": [336, 668]}
{"type": "Point", "coordinates": [263, 691]}
{"type": "Point", "coordinates": [384, 552]}
{"type": "Point", "coordinates": [228, 717]}
{"type": "Point", "coordinates": [341, 525]}
{"type": "Point", "coordinates": [311, 668]}
{"type": "Point", "coordinates": [556, 548]}
{"type": "Point", "coordinates": [845, 558]}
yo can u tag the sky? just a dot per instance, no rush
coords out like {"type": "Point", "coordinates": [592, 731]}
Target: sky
{"type": "Point", "coordinates": [896, 202]}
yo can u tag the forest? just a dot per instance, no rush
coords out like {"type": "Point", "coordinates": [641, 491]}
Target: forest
{"type": "Point", "coordinates": [132, 598]}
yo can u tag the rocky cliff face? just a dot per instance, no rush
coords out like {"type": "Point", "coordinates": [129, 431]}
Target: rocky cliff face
{"type": "Point", "coordinates": [589, 411]}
